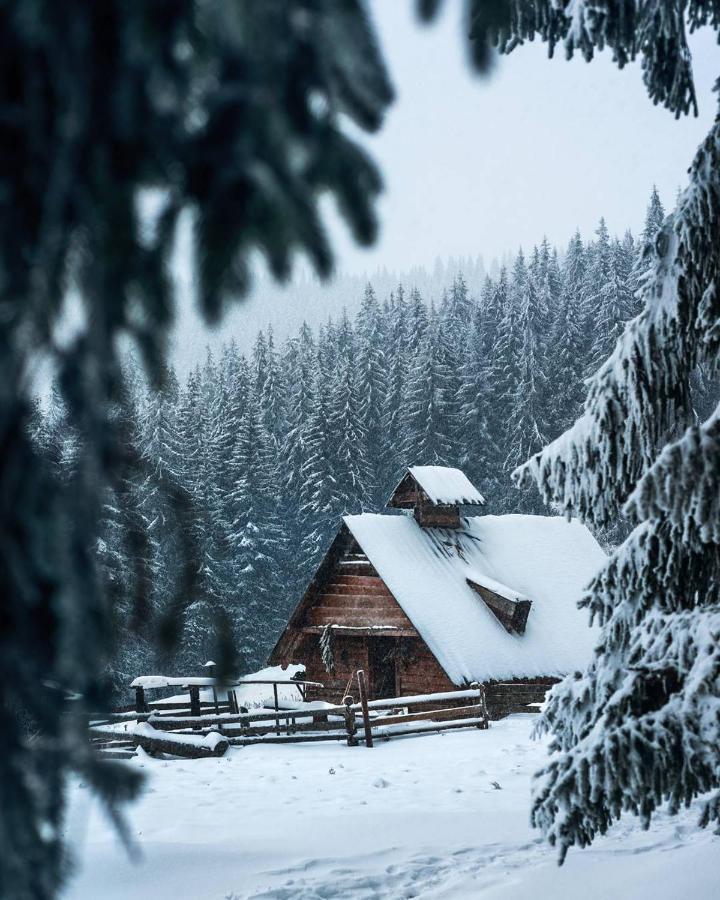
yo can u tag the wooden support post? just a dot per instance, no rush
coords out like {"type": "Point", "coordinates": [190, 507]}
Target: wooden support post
{"type": "Point", "coordinates": [140, 705]}
{"type": "Point", "coordinates": [364, 705]}
{"type": "Point", "coordinates": [277, 707]}
{"type": "Point", "coordinates": [194, 701]}
{"type": "Point", "coordinates": [232, 702]}
{"type": "Point", "coordinates": [350, 724]}
{"type": "Point", "coordinates": [210, 667]}
{"type": "Point", "coordinates": [480, 688]}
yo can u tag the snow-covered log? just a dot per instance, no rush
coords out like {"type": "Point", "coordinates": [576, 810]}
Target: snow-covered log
{"type": "Point", "coordinates": [186, 745]}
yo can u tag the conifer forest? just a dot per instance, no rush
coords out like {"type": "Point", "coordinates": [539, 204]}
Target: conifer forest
{"type": "Point", "coordinates": [272, 448]}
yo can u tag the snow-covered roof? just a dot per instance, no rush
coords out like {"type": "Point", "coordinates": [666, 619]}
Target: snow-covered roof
{"type": "Point", "coordinates": [546, 559]}
{"type": "Point", "coordinates": [446, 486]}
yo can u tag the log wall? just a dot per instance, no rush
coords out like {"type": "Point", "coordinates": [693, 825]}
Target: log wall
{"type": "Point", "coordinates": [356, 601]}
{"type": "Point", "coordinates": [507, 697]}
{"type": "Point", "coordinates": [350, 655]}
{"type": "Point", "coordinates": [418, 671]}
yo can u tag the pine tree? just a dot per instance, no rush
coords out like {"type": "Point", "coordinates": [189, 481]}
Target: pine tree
{"type": "Point", "coordinates": [640, 726]}
{"type": "Point", "coordinates": [397, 363]}
{"type": "Point", "coordinates": [370, 366]}
{"type": "Point", "coordinates": [269, 388]}
{"type": "Point", "coordinates": [425, 440]}
{"type": "Point", "coordinates": [318, 494]}
{"type": "Point", "coordinates": [526, 429]}
{"type": "Point", "coordinates": [256, 538]}
{"type": "Point", "coordinates": [352, 473]}
{"type": "Point", "coordinates": [568, 345]}
{"type": "Point", "coordinates": [477, 447]}
{"type": "Point", "coordinates": [644, 249]}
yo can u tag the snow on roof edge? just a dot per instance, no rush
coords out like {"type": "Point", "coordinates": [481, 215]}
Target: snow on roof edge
{"type": "Point", "coordinates": [446, 485]}
{"type": "Point", "coordinates": [497, 587]}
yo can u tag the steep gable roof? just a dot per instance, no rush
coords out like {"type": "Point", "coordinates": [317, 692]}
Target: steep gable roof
{"type": "Point", "coordinates": [546, 559]}
{"type": "Point", "coordinates": [443, 486]}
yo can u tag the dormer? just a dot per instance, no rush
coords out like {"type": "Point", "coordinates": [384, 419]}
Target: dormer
{"type": "Point", "coordinates": [435, 494]}
{"type": "Point", "coordinates": [509, 607]}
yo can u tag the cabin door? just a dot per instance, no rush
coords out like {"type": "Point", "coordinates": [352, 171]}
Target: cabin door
{"type": "Point", "coordinates": [381, 662]}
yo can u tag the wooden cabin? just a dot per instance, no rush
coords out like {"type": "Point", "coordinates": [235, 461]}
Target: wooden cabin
{"type": "Point", "coordinates": [435, 597]}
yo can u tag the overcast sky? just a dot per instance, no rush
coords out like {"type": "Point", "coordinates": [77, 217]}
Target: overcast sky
{"type": "Point", "coordinates": [482, 165]}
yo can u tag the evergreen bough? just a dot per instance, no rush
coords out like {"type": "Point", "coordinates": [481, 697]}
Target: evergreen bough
{"type": "Point", "coordinates": [641, 726]}
{"type": "Point", "coordinates": [116, 120]}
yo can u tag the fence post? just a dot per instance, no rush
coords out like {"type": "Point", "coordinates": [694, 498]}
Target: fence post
{"type": "Point", "coordinates": [194, 700]}
{"type": "Point", "coordinates": [364, 705]}
{"type": "Point", "coordinates": [210, 665]}
{"type": "Point", "coordinates": [277, 720]}
{"type": "Point", "coordinates": [350, 723]}
{"type": "Point", "coordinates": [480, 688]}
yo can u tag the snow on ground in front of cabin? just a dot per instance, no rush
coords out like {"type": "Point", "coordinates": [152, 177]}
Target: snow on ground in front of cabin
{"type": "Point", "coordinates": [440, 816]}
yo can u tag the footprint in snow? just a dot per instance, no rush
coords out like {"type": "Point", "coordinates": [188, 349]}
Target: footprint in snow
{"type": "Point", "coordinates": [381, 783]}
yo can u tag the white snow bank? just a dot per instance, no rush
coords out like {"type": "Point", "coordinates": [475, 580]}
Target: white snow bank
{"type": "Point", "coordinates": [446, 486]}
{"type": "Point", "coordinates": [545, 559]}
{"type": "Point", "coordinates": [418, 817]}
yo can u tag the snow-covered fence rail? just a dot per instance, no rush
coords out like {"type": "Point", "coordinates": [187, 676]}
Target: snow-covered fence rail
{"type": "Point", "coordinates": [435, 715]}
{"type": "Point", "coordinates": [181, 729]}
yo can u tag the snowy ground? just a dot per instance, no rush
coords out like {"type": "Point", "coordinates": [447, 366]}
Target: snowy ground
{"type": "Point", "coordinates": [433, 816]}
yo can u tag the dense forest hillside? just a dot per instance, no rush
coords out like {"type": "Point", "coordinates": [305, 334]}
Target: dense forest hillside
{"type": "Point", "coordinates": [240, 474]}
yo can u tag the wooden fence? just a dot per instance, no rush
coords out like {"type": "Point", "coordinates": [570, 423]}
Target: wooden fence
{"type": "Point", "coordinates": [200, 728]}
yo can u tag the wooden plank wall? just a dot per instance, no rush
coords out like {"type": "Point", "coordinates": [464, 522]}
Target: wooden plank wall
{"type": "Point", "coordinates": [356, 601]}
{"type": "Point", "coordinates": [506, 697]}
{"type": "Point", "coordinates": [418, 670]}
{"type": "Point", "coordinates": [350, 655]}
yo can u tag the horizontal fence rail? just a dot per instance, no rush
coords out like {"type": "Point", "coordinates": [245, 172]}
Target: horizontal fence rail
{"type": "Point", "coordinates": [193, 728]}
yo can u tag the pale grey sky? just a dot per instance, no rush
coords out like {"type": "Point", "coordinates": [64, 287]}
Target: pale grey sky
{"type": "Point", "coordinates": [485, 165]}
{"type": "Point", "coordinates": [478, 165]}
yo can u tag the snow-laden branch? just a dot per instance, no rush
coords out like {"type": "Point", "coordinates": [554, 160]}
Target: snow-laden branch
{"type": "Point", "coordinates": [641, 396]}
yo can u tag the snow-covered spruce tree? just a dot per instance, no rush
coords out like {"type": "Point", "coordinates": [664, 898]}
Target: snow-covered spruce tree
{"type": "Point", "coordinates": [526, 428]}
{"type": "Point", "coordinates": [479, 457]}
{"type": "Point", "coordinates": [271, 394]}
{"type": "Point", "coordinates": [255, 536]}
{"type": "Point", "coordinates": [425, 423]}
{"type": "Point", "coordinates": [396, 338]}
{"type": "Point", "coordinates": [352, 473]}
{"type": "Point", "coordinates": [641, 725]}
{"type": "Point", "coordinates": [371, 388]}
{"type": "Point", "coordinates": [568, 344]}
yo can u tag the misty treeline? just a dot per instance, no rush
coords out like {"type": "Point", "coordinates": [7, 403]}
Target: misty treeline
{"type": "Point", "coordinates": [268, 450]}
